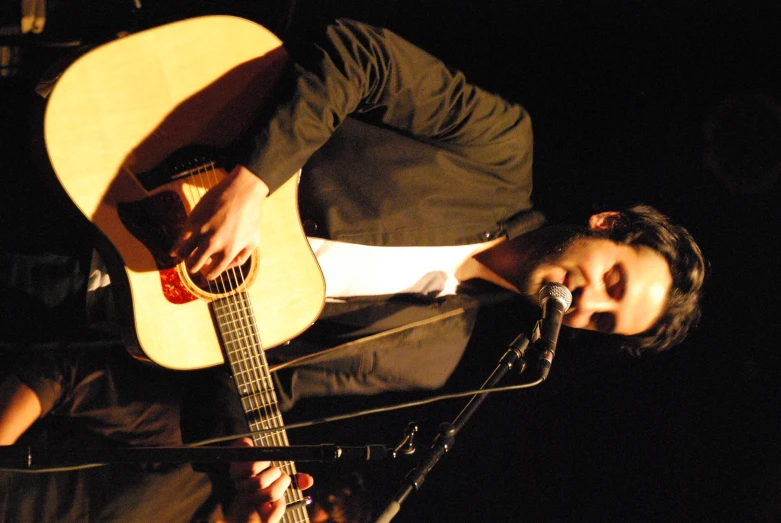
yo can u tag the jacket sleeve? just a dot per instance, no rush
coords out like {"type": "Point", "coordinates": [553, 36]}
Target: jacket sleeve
{"type": "Point", "coordinates": [356, 69]}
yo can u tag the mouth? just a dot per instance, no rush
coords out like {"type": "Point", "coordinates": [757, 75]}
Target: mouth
{"type": "Point", "coordinates": [559, 275]}
{"type": "Point", "coordinates": [564, 280]}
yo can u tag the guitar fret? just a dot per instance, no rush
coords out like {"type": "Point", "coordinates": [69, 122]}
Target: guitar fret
{"type": "Point", "coordinates": [256, 403]}
{"type": "Point", "coordinates": [249, 377]}
{"type": "Point", "coordinates": [241, 332]}
{"type": "Point", "coordinates": [249, 385]}
{"type": "Point", "coordinates": [275, 430]}
{"type": "Point", "coordinates": [233, 312]}
{"type": "Point", "coordinates": [269, 442]}
{"type": "Point", "coordinates": [250, 381]}
{"type": "Point", "coordinates": [242, 353]}
{"type": "Point", "coordinates": [236, 330]}
{"type": "Point", "coordinates": [240, 302]}
{"type": "Point", "coordinates": [272, 439]}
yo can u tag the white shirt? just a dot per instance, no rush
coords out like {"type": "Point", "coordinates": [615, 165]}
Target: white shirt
{"type": "Point", "coordinates": [359, 270]}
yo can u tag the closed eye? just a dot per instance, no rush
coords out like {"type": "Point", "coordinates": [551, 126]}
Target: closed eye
{"type": "Point", "coordinates": [615, 282]}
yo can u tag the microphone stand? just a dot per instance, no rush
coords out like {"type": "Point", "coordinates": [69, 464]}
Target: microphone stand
{"type": "Point", "coordinates": [23, 457]}
{"type": "Point", "coordinates": [445, 439]}
{"type": "Point", "coordinates": [19, 457]}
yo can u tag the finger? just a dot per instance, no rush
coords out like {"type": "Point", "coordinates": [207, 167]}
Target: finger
{"type": "Point", "coordinates": [217, 266]}
{"type": "Point", "coordinates": [242, 258]}
{"type": "Point", "coordinates": [265, 480]}
{"type": "Point", "coordinates": [202, 260]}
{"type": "Point", "coordinates": [183, 245]}
{"type": "Point", "coordinates": [304, 481]}
{"type": "Point", "coordinates": [271, 491]}
{"type": "Point", "coordinates": [243, 442]}
{"type": "Point", "coordinates": [242, 470]}
{"type": "Point", "coordinates": [272, 511]}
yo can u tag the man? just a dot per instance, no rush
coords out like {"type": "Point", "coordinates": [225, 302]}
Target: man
{"type": "Point", "coordinates": [403, 159]}
{"type": "Point", "coordinates": [401, 151]}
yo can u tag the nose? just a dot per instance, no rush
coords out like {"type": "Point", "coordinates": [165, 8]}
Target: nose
{"type": "Point", "coordinates": [586, 301]}
{"type": "Point", "coordinates": [593, 298]}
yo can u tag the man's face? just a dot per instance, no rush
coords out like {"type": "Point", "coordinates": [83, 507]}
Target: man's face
{"type": "Point", "coordinates": [616, 288]}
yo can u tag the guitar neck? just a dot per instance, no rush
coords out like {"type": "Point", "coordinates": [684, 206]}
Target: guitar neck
{"type": "Point", "coordinates": [244, 353]}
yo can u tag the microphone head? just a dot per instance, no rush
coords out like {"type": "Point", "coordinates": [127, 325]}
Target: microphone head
{"type": "Point", "coordinates": [555, 291]}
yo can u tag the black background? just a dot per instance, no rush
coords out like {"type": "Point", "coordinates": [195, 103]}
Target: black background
{"type": "Point", "coordinates": [620, 94]}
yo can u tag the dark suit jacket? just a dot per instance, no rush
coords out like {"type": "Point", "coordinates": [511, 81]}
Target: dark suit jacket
{"type": "Point", "coordinates": [399, 150]}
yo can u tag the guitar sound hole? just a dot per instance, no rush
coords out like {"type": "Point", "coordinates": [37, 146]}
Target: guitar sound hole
{"type": "Point", "coordinates": [229, 281]}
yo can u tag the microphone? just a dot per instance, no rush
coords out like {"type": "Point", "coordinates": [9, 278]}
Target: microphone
{"type": "Point", "coordinates": [555, 299]}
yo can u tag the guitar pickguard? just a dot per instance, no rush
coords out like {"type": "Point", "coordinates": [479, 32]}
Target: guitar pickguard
{"type": "Point", "coordinates": [156, 222]}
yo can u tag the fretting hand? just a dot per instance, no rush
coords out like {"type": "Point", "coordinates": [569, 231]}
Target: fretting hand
{"type": "Point", "coordinates": [260, 489]}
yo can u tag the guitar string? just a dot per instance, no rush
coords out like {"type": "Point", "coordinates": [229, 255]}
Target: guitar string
{"type": "Point", "coordinates": [270, 406]}
{"type": "Point", "coordinates": [233, 278]}
{"type": "Point", "coordinates": [227, 309]}
{"type": "Point", "coordinates": [238, 328]}
{"type": "Point", "coordinates": [249, 333]}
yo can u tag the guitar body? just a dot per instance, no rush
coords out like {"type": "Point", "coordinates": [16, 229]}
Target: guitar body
{"type": "Point", "coordinates": [130, 129]}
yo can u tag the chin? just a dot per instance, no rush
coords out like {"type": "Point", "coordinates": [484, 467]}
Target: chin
{"type": "Point", "coordinates": [532, 290]}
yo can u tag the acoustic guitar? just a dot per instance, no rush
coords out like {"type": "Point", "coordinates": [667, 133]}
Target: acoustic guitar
{"type": "Point", "coordinates": [134, 130]}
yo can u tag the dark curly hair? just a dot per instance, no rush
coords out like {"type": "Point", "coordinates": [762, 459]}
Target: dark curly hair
{"type": "Point", "coordinates": [644, 225]}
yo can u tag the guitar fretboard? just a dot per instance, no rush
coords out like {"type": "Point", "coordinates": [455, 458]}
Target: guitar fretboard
{"type": "Point", "coordinates": [244, 353]}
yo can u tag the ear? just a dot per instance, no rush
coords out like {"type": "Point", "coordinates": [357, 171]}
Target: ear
{"type": "Point", "coordinates": [603, 221]}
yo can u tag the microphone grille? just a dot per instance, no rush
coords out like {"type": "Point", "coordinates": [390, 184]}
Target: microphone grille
{"type": "Point", "coordinates": [558, 292]}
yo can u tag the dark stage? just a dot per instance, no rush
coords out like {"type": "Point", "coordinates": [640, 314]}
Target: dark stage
{"type": "Point", "coordinates": [672, 103]}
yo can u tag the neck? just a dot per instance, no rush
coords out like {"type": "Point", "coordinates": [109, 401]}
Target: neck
{"type": "Point", "coordinates": [497, 262]}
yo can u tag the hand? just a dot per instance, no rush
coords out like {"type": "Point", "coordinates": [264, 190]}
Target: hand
{"type": "Point", "coordinates": [260, 490]}
{"type": "Point", "coordinates": [224, 227]}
